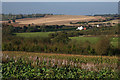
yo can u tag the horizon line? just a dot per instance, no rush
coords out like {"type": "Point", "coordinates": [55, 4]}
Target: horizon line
{"type": "Point", "coordinates": [54, 1]}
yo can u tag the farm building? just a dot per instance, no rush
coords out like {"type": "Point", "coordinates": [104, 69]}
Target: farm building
{"type": "Point", "coordinates": [80, 28]}
{"type": "Point", "coordinates": [98, 25]}
{"type": "Point", "coordinates": [84, 28]}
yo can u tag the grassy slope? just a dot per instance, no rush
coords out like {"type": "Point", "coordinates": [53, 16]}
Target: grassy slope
{"type": "Point", "coordinates": [34, 34]}
{"type": "Point", "coordinates": [114, 41]}
{"type": "Point", "coordinates": [91, 39]}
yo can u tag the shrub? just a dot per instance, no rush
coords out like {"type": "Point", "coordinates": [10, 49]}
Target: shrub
{"type": "Point", "coordinates": [102, 47]}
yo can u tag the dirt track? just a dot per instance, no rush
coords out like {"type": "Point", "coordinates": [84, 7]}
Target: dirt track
{"type": "Point", "coordinates": [57, 19]}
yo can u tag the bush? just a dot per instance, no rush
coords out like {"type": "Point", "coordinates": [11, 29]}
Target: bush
{"type": "Point", "coordinates": [61, 38]}
{"type": "Point", "coordinates": [102, 47]}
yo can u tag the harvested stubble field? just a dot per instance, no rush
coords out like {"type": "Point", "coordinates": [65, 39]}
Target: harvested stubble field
{"type": "Point", "coordinates": [57, 19]}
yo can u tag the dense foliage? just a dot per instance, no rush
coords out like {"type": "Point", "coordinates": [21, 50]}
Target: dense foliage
{"type": "Point", "coordinates": [113, 30]}
{"type": "Point", "coordinates": [25, 66]}
{"type": "Point", "coordinates": [55, 43]}
{"type": "Point", "coordinates": [42, 28]}
{"type": "Point", "coordinates": [70, 30]}
{"type": "Point", "coordinates": [108, 15]}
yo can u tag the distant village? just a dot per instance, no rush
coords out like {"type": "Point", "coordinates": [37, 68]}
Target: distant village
{"type": "Point", "coordinates": [85, 25]}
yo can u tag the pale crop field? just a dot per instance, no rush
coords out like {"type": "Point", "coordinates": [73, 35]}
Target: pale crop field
{"type": "Point", "coordinates": [57, 19]}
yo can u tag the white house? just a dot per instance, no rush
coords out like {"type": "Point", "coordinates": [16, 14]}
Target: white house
{"type": "Point", "coordinates": [98, 25]}
{"type": "Point", "coordinates": [80, 28]}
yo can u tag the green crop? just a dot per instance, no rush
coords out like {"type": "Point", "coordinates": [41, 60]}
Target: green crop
{"type": "Point", "coordinates": [40, 67]}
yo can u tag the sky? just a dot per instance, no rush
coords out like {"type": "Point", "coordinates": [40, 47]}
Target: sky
{"type": "Point", "coordinates": [60, 0]}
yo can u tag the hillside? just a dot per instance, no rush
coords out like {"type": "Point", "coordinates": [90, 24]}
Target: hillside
{"type": "Point", "coordinates": [57, 19]}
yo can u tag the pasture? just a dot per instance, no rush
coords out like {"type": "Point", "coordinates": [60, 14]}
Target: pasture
{"type": "Point", "coordinates": [93, 40]}
{"type": "Point", "coordinates": [83, 39]}
{"type": "Point", "coordinates": [34, 34]}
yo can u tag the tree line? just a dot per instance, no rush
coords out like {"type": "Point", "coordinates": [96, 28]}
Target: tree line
{"type": "Point", "coordinates": [113, 30]}
{"type": "Point", "coordinates": [60, 43]}
{"type": "Point", "coordinates": [70, 30]}
{"type": "Point", "coordinates": [40, 28]}
{"type": "Point", "coordinates": [21, 16]}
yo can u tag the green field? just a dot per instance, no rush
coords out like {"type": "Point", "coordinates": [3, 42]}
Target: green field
{"type": "Point", "coordinates": [83, 39]}
{"type": "Point", "coordinates": [34, 34]}
{"type": "Point", "coordinates": [93, 40]}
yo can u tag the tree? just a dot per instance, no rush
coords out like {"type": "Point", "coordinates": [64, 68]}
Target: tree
{"type": "Point", "coordinates": [61, 38]}
{"type": "Point", "coordinates": [7, 30]}
{"type": "Point", "coordinates": [24, 28]}
{"type": "Point", "coordinates": [71, 23]}
{"type": "Point", "coordinates": [13, 20]}
{"type": "Point", "coordinates": [9, 21]}
{"type": "Point", "coordinates": [102, 47]}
